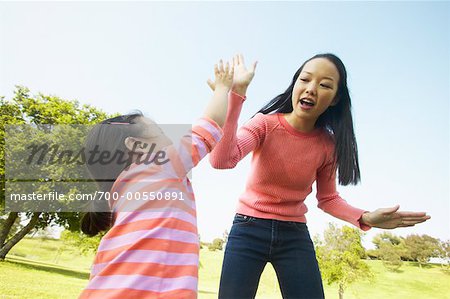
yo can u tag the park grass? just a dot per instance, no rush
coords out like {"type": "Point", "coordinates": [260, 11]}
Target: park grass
{"type": "Point", "coordinates": [22, 278]}
{"type": "Point", "coordinates": [51, 251]}
{"type": "Point", "coordinates": [38, 268]}
{"type": "Point", "coordinates": [410, 282]}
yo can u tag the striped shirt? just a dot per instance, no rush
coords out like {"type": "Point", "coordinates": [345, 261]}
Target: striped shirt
{"type": "Point", "coordinates": [152, 250]}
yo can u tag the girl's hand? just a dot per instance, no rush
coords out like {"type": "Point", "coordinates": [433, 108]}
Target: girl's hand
{"type": "Point", "coordinates": [217, 107]}
{"type": "Point", "coordinates": [223, 76]}
{"type": "Point", "coordinates": [389, 218]}
{"type": "Point", "coordinates": [242, 75]}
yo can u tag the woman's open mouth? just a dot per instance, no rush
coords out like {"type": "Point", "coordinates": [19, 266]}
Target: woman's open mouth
{"type": "Point", "coordinates": [306, 104]}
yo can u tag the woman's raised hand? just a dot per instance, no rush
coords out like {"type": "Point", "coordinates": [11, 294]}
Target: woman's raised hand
{"type": "Point", "coordinates": [389, 218]}
{"type": "Point", "coordinates": [242, 76]}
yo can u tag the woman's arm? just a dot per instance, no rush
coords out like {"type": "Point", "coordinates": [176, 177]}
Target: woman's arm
{"type": "Point", "coordinates": [333, 204]}
{"type": "Point", "coordinates": [330, 201]}
{"type": "Point", "coordinates": [236, 144]}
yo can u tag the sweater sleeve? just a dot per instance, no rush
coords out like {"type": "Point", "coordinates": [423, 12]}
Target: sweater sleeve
{"type": "Point", "coordinates": [194, 146]}
{"type": "Point", "coordinates": [236, 144]}
{"type": "Point", "coordinates": [330, 201]}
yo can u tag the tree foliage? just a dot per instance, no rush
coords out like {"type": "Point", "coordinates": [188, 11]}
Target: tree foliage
{"type": "Point", "coordinates": [25, 108]}
{"type": "Point", "coordinates": [386, 237]}
{"type": "Point", "coordinates": [390, 256]}
{"type": "Point", "coordinates": [217, 244]}
{"type": "Point", "coordinates": [81, 241]}
{"type": "Point", "coordinates": [444, 253]}
{"type": "Point", "coordinates": [340, 257]}
{"type": "Point", "coordinates": [422, 247]}
{"type": "Point", "coordinates": [392, 250]}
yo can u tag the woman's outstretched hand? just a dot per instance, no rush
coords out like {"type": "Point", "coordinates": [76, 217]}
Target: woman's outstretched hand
{"type": "Point", "coordinates": [389, 218]}
{"type": "Point", "coordinates": [242, 76]}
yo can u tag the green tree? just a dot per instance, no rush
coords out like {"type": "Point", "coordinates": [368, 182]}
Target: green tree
{"type": "Point", "coordinates": [81, 241]}
{"type": "Point", "coordinates": [217, 244]}
{"type": "Point", "coordinates": [339, 256]}
{"type": "Point", "coordinates": [36, 110]}
{"type": "Point", "coordinates": [390, 249]}
{"type": "Point", "coordinates": [421, 248]}
{"type": "Point", "coordinates": [386, 237]}
{"type": "Point", "coordinates": [14, 228]}
{"type": "Point", "coordinates": [444, 253]}
{"type": "Point", "coordinates": [390, 256]}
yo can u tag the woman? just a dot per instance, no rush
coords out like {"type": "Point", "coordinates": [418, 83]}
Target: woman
{"type": "Point", "coordinates": [302, 136]}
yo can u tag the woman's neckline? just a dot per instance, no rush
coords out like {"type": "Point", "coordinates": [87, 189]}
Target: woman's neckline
{"type": "Point", "coordinates": [293, 130]}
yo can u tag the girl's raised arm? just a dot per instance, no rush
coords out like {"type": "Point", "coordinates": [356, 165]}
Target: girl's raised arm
{"type": "Point", "coordinates": [206, 132]}
{"type": "Point", "coordinates": [217, 107]}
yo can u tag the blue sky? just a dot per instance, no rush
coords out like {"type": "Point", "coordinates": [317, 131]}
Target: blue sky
{"type": "Point", "coordinates": [156, 57]}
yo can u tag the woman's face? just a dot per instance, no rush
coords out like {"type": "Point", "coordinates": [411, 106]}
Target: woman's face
{"type": "Point", "coordinates": [315, 89]}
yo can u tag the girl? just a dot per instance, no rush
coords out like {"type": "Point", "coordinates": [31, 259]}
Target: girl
{"type": "Point", "coordinates": [302, 136]}
{"type": "Point", "coordinates": [151, 250]}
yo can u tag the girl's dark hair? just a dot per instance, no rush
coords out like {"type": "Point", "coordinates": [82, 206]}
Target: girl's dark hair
{"type": "Point", "coordinates": [108, 136]}
{"type": "Point", "coordinates": [337, 120]}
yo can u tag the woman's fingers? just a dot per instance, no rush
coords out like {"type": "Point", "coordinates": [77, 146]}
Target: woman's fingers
{"type": "Point", "coordinates": [410, 223]}
{"type": "Point", "coordinates": [254, 66]}
{"type": "Point", "coordinates": [416, 218]}
{"type": "Point", "coordinates": [394, 210]}
{"type": "Point", "coordinates": [405, 225]}
{"type": "Point", "coordinates": [238, 60]}
{"type": "Point", "coordinates": [412, 214]}
{"type": "Point", "coordinates": [241, 59]}
{"type": "Point", "coordinates": [387, 211]}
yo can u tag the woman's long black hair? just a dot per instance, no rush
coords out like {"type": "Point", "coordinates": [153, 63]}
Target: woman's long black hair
{"type": "Point", "coordinates": [108, 136]}
{"type": "Point", "coordinates": [337, 120]}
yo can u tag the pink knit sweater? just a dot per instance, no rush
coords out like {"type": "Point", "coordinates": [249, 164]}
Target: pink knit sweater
{"type": "Point", "coordinates": [285, 164]}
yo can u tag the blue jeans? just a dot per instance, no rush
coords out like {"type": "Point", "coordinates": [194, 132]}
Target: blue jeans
{"type": "Point", "coordinates": [287, 245]}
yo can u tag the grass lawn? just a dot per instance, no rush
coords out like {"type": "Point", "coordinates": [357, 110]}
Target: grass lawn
{"type": "Point", "coordinates": [38, 268]}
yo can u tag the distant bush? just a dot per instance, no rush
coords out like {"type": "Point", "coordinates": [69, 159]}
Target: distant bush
{"type": "Point", "coordinates": [217, 244]}
{"type": "Point", "coordinates": [390, 256]}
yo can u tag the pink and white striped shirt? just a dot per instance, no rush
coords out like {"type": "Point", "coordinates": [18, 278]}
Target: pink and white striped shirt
{"type": "Point", "coordinates": [152, 250]}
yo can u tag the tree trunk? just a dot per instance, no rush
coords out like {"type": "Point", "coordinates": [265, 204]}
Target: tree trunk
{"type": "Point", "coordinates": [341, 291]}
{"type": "Point", "coordinates": [9, 222]}
{"type": "Point", "coordinates": [17, 237]}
